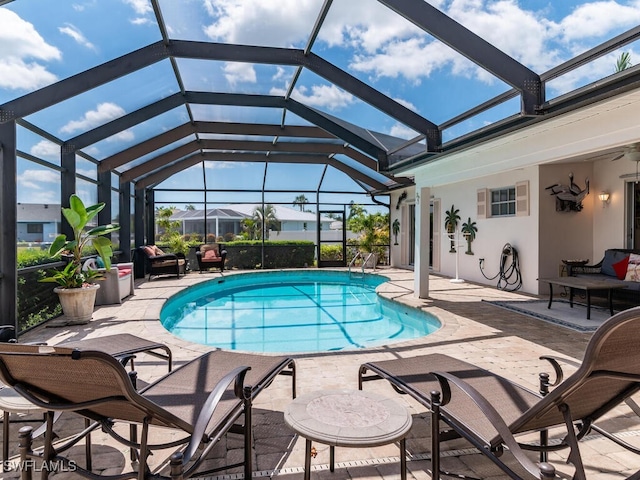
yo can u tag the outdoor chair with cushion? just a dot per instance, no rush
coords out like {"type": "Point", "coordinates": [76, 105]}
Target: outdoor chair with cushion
{"type": "Point", "coordinates": [211, 256]}
{"type": "Point", "coordinates": [116, 284]}
{"type": "Point", "coordinates": [491, 411]}
{"type": "Point", "coordinates": [159, 263]}
{"type": "Point", "coordinates": [201, 401]}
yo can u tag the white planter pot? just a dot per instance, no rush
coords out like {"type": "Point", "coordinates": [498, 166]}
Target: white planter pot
{"type": "Point", "coordinates": [77, 303]}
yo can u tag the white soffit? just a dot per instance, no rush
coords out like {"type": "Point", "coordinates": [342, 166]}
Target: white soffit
{"type": "Point", "coordinates": [582, 135]}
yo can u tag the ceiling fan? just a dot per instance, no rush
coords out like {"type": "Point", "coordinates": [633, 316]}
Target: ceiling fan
{"type": "Point", "coordinates": [630, 152]}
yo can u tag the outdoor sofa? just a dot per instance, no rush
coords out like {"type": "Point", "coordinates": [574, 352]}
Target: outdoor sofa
{"type": "Point", "coordinates": [619, 265]}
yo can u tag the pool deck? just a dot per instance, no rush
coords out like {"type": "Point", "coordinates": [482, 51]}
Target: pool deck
{"type": "Point", "coordinates": [473, 330]}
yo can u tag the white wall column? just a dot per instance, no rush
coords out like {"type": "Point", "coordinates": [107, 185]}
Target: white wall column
{"type": "Point", "coordinates": [421, 262]}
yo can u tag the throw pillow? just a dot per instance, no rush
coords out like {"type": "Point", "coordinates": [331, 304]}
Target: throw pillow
{"type": "Point", "coordinates": [610, 257]}
{"type": "Point", "coordinates": [158, 251]}
{"type": "Point", "coordinates": [633, 269]}
{"type": "Point", "coordinates": [210, 255]}
{"type": "Point", "coordinates": [150, 251]}
{"type": "Point", "coordinates": [621, 268]}
{"type": "Point", "coordinates": [99, 262]}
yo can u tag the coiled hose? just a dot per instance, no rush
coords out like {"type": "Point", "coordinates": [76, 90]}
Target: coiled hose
{"type": "Point", "coordinates": [509, 277]}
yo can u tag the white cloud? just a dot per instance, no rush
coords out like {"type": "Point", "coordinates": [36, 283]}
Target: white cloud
{"type": "Point", "coordinates": [21, 48]}
{"type": "Point", "coordinates": [124, 136]}
{"type": "Point", "coordinates": [222, 165]}
{"type": "Point", "coordinates": [141, 21]}
{"type": "Point", "coordinates": [406, 103]}
{"type": "Point", "coordinates": [36, 178]}
{"type": "Point", "coordinates": [236, 72]}
{"type": "Point", "coordinates": [323, 96]}
{"type": "Point", "coordinates": [402, 131]}
{"type": "Point", "coordinates": [261, 22]}
{"type": "Point", "coordinates": [46, 150]}
{"type": "Point", "coordinates": [103, 113]}
{"type": "Point", "coordinates": [601, 18]}
{"type": "Point", "coordinates": [141, 7]}
{"type": "Point", "coordinates": [77, 35]}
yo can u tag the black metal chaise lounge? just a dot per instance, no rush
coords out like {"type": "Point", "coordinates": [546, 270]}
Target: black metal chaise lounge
{"type": "Point", "coordinates": [491, 411]}
{"type": "Point", "coordinates": [202, 400]}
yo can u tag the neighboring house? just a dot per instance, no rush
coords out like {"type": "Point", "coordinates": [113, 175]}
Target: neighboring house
{"type": "Point", "coordinates": [501, 184]}
{"type": "Point", "coordinates": [38, 222]}
{"type": "Point", "coordinates": [228, 219]}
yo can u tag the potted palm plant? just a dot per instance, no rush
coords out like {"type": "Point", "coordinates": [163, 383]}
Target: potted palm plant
{"type": "Point", "coordinates": [76, 290]}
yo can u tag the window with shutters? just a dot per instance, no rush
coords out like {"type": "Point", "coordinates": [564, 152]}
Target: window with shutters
{"type": "Point", "coordinates": [503, 202]}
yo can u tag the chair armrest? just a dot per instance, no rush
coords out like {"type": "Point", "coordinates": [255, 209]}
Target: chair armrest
{"type": "Point", "coordinates": [237, 375]}
{"type": "Point", "coordinates": [494, 417]}
{"type": "Point", "coordinates": [555, 363]}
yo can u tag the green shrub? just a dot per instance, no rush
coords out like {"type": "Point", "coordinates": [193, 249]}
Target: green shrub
{"type": "Point", "coordinates": [247, 254]}
{"type": "Point", "coordinates": [331, 252]}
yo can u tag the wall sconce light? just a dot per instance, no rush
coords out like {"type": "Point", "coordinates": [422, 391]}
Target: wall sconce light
{"type": "Point", "coordinates": [604, 198]}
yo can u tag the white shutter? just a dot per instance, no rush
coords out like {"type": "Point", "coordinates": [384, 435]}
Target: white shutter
{"type": "Point", "coordinates": [482, 201]}
{"type": "Point", "coordinates": [522, 199]}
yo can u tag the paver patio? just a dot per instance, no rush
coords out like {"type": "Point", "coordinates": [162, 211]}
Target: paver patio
{"type": "Point", "coordinates": [473, 330]}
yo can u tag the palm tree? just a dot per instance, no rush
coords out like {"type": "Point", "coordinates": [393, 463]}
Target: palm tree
{"type": "Point", "coordinates": [623, 62]}
{"type": "Point", "coordinates": [266, 220]}
{"type": "Point", "coordinates": [190, 207]}
{"type": "Point", "coordinates": [469, 230]}
{"type": "Point", "coordinates": [451, 223]}
{"type": "Point", "coordinates": [250, 228]}
{"type": "Point", "coordinates": [300, 201]}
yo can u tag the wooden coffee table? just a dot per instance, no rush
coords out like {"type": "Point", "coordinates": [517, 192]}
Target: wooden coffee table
{"type": "Point", "coordinates": [578, 283]}
{"type": "Point", "coordinates": [348, 418]}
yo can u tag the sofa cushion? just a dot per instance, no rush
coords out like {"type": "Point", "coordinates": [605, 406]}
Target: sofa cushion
{"type": "Point", "coordinates": [621, 268]}
{"type": "Point", "coordinates": [123, 272]}
{"type": "Point", "coordinates": [167, 263]}
{"type": "Point", "coordinates": [611, 257]}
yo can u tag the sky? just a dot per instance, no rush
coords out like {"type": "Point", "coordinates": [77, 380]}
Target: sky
{"type": "Point", "coordinates": [42, 42]}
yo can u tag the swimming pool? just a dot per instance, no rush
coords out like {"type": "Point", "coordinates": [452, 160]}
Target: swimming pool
{"type": "Point", "coordinates": [292, 311]}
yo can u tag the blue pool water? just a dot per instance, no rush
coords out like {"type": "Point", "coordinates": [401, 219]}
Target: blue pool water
{"type": "Point", "coordinates": [292, 311]}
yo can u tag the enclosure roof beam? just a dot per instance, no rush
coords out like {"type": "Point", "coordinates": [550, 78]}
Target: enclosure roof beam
{"type": "Point", "coordinates": [82, 82]}
{"type": "Point", "coordinates": [126, 121]}
{"type": "Point", "coordinates": [475, 48]}
{"type": "Point", "coordinates": [165, 163]}
{"type": "Point", "coordinates": [186, 129]}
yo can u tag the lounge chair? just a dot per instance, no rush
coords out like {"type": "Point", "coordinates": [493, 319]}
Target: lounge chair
{"type": "Point", "coordinates": [490, 411]}
{"type": "Point", "coordinates": [197, 400]}
{"type": "Point", "coordinates": [123, 347]}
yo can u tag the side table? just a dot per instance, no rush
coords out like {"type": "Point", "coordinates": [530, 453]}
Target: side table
{"type": "Point", "coordinates": [348, 418]}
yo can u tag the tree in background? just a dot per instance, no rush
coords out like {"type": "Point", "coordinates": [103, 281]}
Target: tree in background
{"type": "Point", "coordinates": [169, 230]}
{"type": "Point", "coordinates": [623, 62]}
{"type": "Point", "coordinates": [372, 227]}
{"type": "Point", "coordinates": [166, 227]}
{"type": "Point", "coordinates": [190, 208]}
{"type": "Point", "coordinates": [265, 220]}
{"type": "Point", "coordinates": [300, 201]}
{"type": "Point", "coordinates": [250, 228]}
